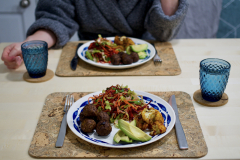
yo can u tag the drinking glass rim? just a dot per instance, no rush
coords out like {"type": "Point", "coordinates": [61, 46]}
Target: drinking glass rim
{"type": "Point", "coordinates": [32, 42]}
{"type": "Point", "coordinates": [228, 67]}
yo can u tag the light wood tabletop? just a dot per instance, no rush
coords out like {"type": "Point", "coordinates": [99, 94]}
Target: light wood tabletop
{"type": "Point", "coordinates": [21, 102]}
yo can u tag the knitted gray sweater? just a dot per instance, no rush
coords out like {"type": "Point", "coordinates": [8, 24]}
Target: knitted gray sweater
{"type": "Point", "coordinates": [135, 18]}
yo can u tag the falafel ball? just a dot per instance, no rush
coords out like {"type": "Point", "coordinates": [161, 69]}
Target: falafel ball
{"type": "Point", "coordinates": [120, 54]}
{"type": "Point", "coordinates": [88, 125]}
{"type": "Point", "coordinates": [103, 116]}
{"type": "Point", "coordinates": [115, 59]}
{"type": "Point", "coordinates": [82, 117]}
{"type": "Point", "coordinates": [134, 56]}
{"type": "Point", "coordinates": [103, 128]}
{"type": "Point", "coordinates": [89, 111]}
{"type": "Point", "coordinates": [127, 59]}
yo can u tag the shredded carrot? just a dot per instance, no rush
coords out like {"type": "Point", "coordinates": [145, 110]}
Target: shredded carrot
{"type": "Point", "coordinates": [113, 96]}
{"type": "Point", "coordinates": [108, 50]}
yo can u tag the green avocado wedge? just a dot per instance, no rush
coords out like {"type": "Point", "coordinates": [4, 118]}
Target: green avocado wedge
{"type": "Point", "coordinates": [133, 132]}
{"type": "Point", "coordinates": [134, 122]}
{"type": "Point", "coordinates": [121, 136]}
{"type": "Point", "coordinates": [139, 47]}
{"type": "Point", "coordinates": [128, 50]}
{"type": "Point", "coordinates": [142, 55]}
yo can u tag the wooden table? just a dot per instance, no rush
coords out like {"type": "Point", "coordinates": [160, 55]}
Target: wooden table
{"type": "Point", "coordinates": [21, 102]}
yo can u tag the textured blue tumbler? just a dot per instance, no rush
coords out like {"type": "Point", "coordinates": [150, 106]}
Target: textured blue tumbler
{"type": "Point", "coordinates": [214, 75]}
{"type": "Point", "coordinates": [35, 56]}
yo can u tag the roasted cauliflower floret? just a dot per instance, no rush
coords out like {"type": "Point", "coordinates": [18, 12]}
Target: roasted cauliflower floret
{"type": "Point", "coordinates": [123, 41]}
{"type": "Point", "coordinates": [158, 117]}
{"type": "Point", "coordinates": [148, 115]}
{"type": "Point", "coordinates": [151, 119]}
{"type": "Point", "coordinates": [140, 123]}
{"type": "Point", "coordinates": [157, 128]}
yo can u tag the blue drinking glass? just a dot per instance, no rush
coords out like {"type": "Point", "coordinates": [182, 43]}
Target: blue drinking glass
{"type": "Point", "coordinates": [214, 75]}
{"type": "Point", "coordinates": [35, 56]}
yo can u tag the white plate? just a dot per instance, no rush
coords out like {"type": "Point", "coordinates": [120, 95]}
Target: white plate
{"type": "Point", "coordinates": [150, 53]}
{"type": "Point", "coordinates": [73, 121]}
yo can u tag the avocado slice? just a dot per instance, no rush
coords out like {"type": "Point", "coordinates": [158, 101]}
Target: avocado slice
{"type": "Point", "coordinates": [139, 47]}
{"type": "Point", "coordinates": [88, 55]}
{"type": "Point", "coordinates": [133, 132]}
{"type": "Point", "coordinates": [121, 136]}
{"type": "Point", "coordinates": [126, 139]}
{"type": "Point", "coordinates": [142, 55]}
{"type": "Point", "coordinates": [128, 50]}
{"type": "Point", "coordinates": [133, 122]}
{"type": "Point", "coordinates": [118, 135]}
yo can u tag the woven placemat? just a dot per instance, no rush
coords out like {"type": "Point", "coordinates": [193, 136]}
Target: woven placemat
{"type": "Point", "coordinates": [169, 66]}
{"type": "Point", "coordinates": [45, 136]}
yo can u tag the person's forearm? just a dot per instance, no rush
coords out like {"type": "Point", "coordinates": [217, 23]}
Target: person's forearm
{"type": "Point", "coordinates": [169, 6]}
{"type": "Point", "coordinates": [44, 35]}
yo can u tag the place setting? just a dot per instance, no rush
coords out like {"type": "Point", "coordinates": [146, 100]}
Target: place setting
{"type": "Point", "coordinates": [153, 58]}
{"type": "Point", "coordinates": [118, 122]}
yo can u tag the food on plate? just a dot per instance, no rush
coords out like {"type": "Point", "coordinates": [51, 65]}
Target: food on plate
{"type": "Point", "coordinates": [123, 41]}
{"type": "Point", "coordinates": [89, 55]}
{"type": "Point", "coordinates": [103, 128]}
{"type": "Point", "coordinates": [121, 136]}
{"type": "Point", "coordinates": [89, 110]}
{"type": "Point", "coordinates": [92, 119]}
{"type": "Point", "coordinates": [133, 132]}
{"type": "Point", "coordinates": [127, 59]}
{"type": "Point", "coordinates": [135, 56]}
{"type": "Point", "coordinates": [116, 59]}
{"type": "Point", "coordinates": [128, 50]}
{"type": "Point", "coordinates": [152, 119]}
{"type": "Point", "coordinates": [122, 107]}
{"type": "Point", "coordinates": [103, 50]}
{"type": "Point", "coordinates": [142, 55]}
{"type": "Point", "coordinates": [88, 125]}
{"type": "Point", "coordinates": [82, 117]}
{"type": "Point", "coordinates": [103, 116]}
{"type": "Point", "coordinates": [119, 102]}
{"type": "Point", "coordinates": [139, 47]}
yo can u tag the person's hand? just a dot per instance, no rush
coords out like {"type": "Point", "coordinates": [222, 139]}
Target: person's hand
{"type": "Point", "coordinates": [12, 56]}
{"type": "Point", "coordinates": [169, 6]}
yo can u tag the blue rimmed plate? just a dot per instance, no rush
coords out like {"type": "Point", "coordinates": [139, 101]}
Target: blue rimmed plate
{"type": "Point", "coordinates": [150, 54]}
{"type": "Point", "coordinates": [161, 105]}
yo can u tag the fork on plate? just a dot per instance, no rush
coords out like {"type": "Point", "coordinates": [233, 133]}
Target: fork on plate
{"type": "Point", "coordinates": [61, 135]}
{"type": "Point", "coordinates": [156, 58]}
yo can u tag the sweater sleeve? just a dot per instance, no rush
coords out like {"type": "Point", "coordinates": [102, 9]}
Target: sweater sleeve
{"type": "Point", "coordinates": [56, 16]}
{"type": "Point", "coordinates": [164, 27]}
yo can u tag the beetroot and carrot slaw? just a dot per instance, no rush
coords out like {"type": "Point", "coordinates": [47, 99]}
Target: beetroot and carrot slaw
{"type": "Point", "coordinates": [105, 49]}
{"type": "Point", "coordinates": [119, 102]}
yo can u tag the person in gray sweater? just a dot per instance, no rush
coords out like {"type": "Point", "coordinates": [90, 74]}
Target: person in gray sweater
{"type": "Point", "coordinates": [57, 21]}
